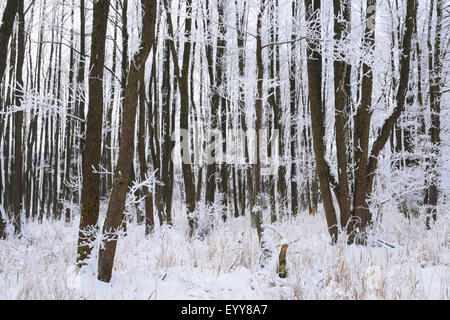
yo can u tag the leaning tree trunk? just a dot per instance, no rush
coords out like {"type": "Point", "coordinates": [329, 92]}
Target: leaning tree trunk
{"type": "Point", "coordinates": [114, 215]}
{"type": "Point", "coordinates": [314, 66]}
{"type": "Point", "coordinates": [386, 129]}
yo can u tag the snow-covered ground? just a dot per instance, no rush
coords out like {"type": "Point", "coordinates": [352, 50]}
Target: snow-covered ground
{"type": "Point", "coordinates": [225, 265]}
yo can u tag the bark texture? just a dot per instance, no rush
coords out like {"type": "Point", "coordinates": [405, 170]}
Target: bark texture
{"type": "Point", "coordinates": [114, 215]}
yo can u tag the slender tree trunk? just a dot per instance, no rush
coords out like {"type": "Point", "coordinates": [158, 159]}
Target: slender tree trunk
{"type": "Point", "coordinates": [362, 127]}
{"type": "Point", "coordinates": [188, 175]}
{"type": "Point", "coordinates": [341, 11]}
{"type": "Point", "coordinates": [149, 218]}
{"type": "Point", "coordinates": [57, 206]}
{"type": "Point", "coordinates": [108, 143]}
{"type": "Point", "coordinates": [80, 76]}
{"type": "Point", "coordinates": [166, 134]}
{"type": "Point", "coordinates": [18, 123]}
{"type": "Point", "coordinates": [68, 130]}
{"type": "Point", "coordinates": [435, 109]}
{"type": "Point", "coordinates": [257, 211]}
{"type": "Point", "coordinates": [314, 65]}
{"type": "Point", "coordinates": [279, 125]}
{"type": "Point", "coordinates": [220, 92]}
{"type": "Point", "coordinates": [246, 172]}
{"type": "Point", "coordinates": [293, 114]}
{"type": "Point", "coordinates": [405, 62]}
{"type": "Point", "coordinates": [90, 195]}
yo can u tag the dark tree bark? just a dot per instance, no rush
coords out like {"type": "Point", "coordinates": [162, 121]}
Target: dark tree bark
{"type": "Point", "coordinates": [293, 114]}
{"type": "Point", "coordinates": [6, 28]}
{"type": "Point", "coordinates": [176, 83]}
{"type": "Point", "coordinates": [125, 63]}
{"type": "Point", "coordinates": [214, 82]}
{"type": "Point", "coordinates": [435, 81]}
{"type": "Point", "coordinates": [124, 45]}
{"type": "Point", "coordinates": [148, 201]}
{"type": "Point", "coordinates": [362, 130]}
{"type": "Point", "coordinates": [90, 195]}
{"type": "Point", "coordinates": [341, 98]}
{"type": "Point", "coordinates": [257, 211]}
{"type": "Point", "coordinates": [56, 205]}
{"type": "Point", "coordinates": [80, 75]}
{"type": "Point", "coordinates": [68, 131]}
{"type": "Point", "coordinates": [107, 149]}
{"type": "Point", "coordinates": [314, 66]}
{"type": "Point", "coordinates": [275, 120]}
{"type": "Point", "coordinates": [220, 91]}
{"type": "Point", "coordinates": [18, 123]}
{"type": "Point", "coordinates": [163, 206]}
{"type": "Point", "coordinates": [5, 120]}
{"type": "Point", "coordinates": [114, 215]}
{"type": "Point", "coordinates": [278, 124]}
{"type": "Point", "coordinates": [188, 175]}
{"type": "Point", "coordinates": [153, 127]}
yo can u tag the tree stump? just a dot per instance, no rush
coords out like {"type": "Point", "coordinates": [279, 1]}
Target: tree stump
{"type": "Point", "coordinates": [281, 269]}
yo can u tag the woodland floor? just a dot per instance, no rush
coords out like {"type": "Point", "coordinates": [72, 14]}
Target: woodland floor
{"type": "Point", "coordinates": [40, 265]}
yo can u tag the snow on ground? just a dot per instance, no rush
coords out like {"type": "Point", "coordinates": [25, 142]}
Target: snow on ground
{"type": "Point", "coordinates": [225, 265]}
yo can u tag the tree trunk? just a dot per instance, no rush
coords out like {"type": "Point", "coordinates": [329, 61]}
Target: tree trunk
{"type": "Point", "coordinates": [6, 28]}
{"type": "Point", "coordinates": [149, 218]}
{"type": "Point", "coordinates": [314, 66]}
{"type": "Point", "coordinates": [188, 175]}
{"type": "Point", "coordinates": [435, 109]}
{"type": "Point", "coordinates": [362, 130]}
{"type": "Point", "coordinates": [114, 215]}
{"type": "Point", "coordinates": [18, 123]}
{"type": "Point", "coordinates": [90, 195]}
{"type": "Point", "coordinates": [293, 114]}
{"type": "Point", "coordinates": [257, 211]}
{"type": "Point", "coordinates": [166, 135]}
{"type": "Point", "coordinates": [341, 89]}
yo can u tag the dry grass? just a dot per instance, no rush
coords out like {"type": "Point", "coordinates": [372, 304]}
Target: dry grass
{"type": "Point", "coordinates": [225, 264]}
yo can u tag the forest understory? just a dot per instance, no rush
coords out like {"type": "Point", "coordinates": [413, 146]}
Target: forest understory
{"type": "Point", "coordinates": [225, 265]}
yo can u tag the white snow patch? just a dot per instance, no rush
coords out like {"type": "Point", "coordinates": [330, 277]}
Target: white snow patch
{"type": "Point", "coordinates": [225, 265]}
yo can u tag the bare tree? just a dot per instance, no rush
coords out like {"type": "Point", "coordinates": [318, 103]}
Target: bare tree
{"type": "Point", "coordinates": [314, 65]}
{"type": "Point", "coordinates": [435, 70]}
{"type": "Point", "coordinates": [114, 215]}
{"type": "Point", "coordinates": [90, 195]}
